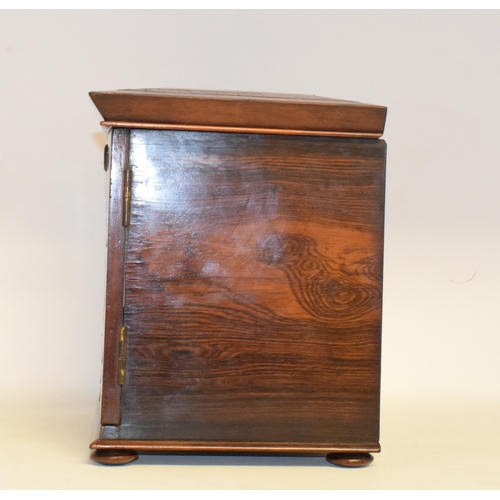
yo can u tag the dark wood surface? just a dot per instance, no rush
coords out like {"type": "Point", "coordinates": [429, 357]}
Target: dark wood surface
{"type": "Point", "coordinates": [111, 392]}
{"type": "Point", "coordinates": [239, 112]}
{"type": "Point", "coordinates": [253, 285]}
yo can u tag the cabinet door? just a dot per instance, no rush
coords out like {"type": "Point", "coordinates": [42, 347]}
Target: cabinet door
{"type": "Point", "coordinates": [253, 285]}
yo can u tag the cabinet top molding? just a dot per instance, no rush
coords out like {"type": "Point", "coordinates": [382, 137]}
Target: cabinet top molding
{"type": "Point", "coordinates": [235, 111]}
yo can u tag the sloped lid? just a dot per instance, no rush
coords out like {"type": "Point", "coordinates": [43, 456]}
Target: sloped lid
{"type": "Point", "coordinates": [250, 112]}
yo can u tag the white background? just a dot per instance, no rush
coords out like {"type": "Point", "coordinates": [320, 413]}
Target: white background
{"type": "Point", "coordinates": [438, 73]}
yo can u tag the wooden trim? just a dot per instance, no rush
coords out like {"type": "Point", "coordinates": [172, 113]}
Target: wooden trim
{"type": "Point", "coordinates": [111, 391]}
{"type": "Point", "coordinates": [215, 447]}
{"type": "Point", "coordinates": [240, 130]}
{"type": "Point", "coordinates": [241, 112]}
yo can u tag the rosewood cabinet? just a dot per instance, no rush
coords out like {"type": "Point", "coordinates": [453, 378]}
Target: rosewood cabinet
{"type": "Point", "coordinates": [244, 289]}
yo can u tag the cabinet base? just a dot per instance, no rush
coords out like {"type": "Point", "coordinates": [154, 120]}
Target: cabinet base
{"type": "Point", "coordinates": [120, 452]}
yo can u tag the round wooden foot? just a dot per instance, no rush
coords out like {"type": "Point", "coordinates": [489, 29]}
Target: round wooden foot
{"type": "Point", "coordinates": [114, 457]}
{"type": "Point", "coordinates": [349, 459]}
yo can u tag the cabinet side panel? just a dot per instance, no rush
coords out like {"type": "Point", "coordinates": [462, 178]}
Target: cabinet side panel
{"type": "Point", "coordinates": [111, 391]}
{"type": "Point", "coordinates": [254, 288]}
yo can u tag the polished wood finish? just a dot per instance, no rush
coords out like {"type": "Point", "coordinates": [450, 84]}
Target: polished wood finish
{"type": "Point", "coordinates": [239, 130]}
{"type": "Point", "coordinates": [114, 456]}
{"type": "Point", "coordinates": [252, 288]}
{"type": "Point", "coordinates": [239, 112]}
{"type": "Point", "coordinates": [246, 269]}
{"type": "Point", "coordinates": [218, 447]}
{"type": "Point", "coordinates": [111, 391]}
{"type": "Point", "coordinates": [350, 459]}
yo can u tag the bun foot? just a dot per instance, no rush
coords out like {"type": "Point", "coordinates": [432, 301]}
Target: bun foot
{"type": "Point", "coordinates": [349, 459]}
{"type": "Point", "coordinates": [114, 457]}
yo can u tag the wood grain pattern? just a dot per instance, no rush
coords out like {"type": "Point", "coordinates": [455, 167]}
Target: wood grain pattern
{"type": "Point", "coordinates": [240, 111]}
{"type": "Point", "coordinates": [253, 289]}
{"type": "Point", "coordinates": [319, 284]}
{"type": "Point", "coordinates": [111, 392]}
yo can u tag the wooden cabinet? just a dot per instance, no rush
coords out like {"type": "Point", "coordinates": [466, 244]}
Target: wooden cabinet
{"type": "Point", "coordinates": [244, 289]}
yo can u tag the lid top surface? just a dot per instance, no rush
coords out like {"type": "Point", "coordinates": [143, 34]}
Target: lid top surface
{"type": "Point", "coordinates": [241, 95]}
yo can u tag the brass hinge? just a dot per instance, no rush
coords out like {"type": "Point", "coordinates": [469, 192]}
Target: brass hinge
{"type": "Point", "coordinates": [127, 196]}
{"type": "Point", "coordinates": [122, 355]}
